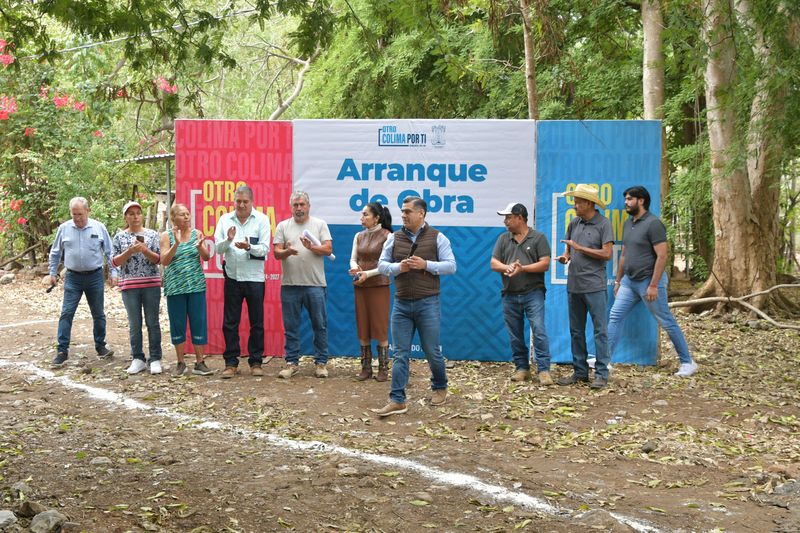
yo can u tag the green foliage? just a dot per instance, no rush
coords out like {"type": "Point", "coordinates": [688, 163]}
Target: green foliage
{"type": "Point", "coordinates": [50, 153]}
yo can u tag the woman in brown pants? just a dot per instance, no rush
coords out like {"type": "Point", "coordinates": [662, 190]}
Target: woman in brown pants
{"type": "Point", "coordinates": [371, 289]}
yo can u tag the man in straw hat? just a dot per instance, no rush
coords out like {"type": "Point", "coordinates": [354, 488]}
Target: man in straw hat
{"type": "Point", "coordinates": [641, 276]}
{"type": "Point", "coordinates": [522, 256]}
{"type": "Point", "coordinates": [589, 242]}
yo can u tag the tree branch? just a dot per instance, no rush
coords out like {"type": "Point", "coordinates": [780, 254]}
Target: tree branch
{"type": "Point", "coordinates": [297, 88]}
{"type": "Point", "coordinates": [741, 301]}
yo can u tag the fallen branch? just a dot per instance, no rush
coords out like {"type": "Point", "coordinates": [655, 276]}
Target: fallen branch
{"type": "Point", "coordinates": [741, 301]}
{"type": "Point", "coordinates": [4, 263]}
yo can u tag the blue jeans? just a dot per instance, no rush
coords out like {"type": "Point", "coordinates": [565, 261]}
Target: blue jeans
{"type": "Point", "coordinates": [631, 293]}
{"type": "Point", "coordinates": [75, 286]}
{"type": "Point", "coordinates": [293, 299]}
{"type": "Point", "coordinates": [595, 304]}
{"type": "Point", "coordinates": [137, 300]}
{"type": "Point", "coordinates": [515, 308]}
{"type": "Point", "coordinates": [423, 315]}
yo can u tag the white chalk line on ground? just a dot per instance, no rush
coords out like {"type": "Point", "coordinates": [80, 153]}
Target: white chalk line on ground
{"type": "Point", "coordinates": [30, 322]}
{"type": "Point", "coordinates": [453, 479]}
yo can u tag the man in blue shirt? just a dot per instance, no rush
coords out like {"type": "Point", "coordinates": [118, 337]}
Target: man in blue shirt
{"type": "Point", "coordinates": [242, 236]}
{"type": "Point", "coordinates": [84, 242]}
{"type": "Point", "coordinates": [416, 256]}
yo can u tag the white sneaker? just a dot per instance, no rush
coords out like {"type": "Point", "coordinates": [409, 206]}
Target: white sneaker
{"type": "Point", "coordinates": [155, 367]}
{"type": "Point", "coordinates": [137, 365]}
{"type": "Point", "coordinates": [686, 369]}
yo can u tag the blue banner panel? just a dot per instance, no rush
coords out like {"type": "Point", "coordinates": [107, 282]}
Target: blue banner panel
{"type": "Point", "coordinates": [613, 155]}
{"type": "Point", "coordinates": [472, 318]}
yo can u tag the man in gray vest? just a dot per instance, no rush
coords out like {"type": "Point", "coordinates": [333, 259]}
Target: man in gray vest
{"type": "Point", "coordinates": [590, 242]}
{"type": "Point", "coordinates": [415, 256]}
{"type": "Point", "coordinates": [522, 256]}
{"type": "Point", "coordinates": [641, 276]}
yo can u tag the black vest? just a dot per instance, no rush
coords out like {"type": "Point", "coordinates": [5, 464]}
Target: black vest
{"type": "Point", "coordinates": [416, 284]}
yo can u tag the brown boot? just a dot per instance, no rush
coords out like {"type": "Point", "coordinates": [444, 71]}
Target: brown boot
{"type": "Point", "coordinates": [366, 363]}
{"type": "Point", "coordinates": [383, 364]}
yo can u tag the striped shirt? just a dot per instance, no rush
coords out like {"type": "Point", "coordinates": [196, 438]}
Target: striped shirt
{"type": "Point", "coordinates": [184, 274]}
{"type": "Point", "coordinates": [137, 272]}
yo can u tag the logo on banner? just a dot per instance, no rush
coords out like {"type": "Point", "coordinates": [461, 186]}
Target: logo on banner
{"type": "Point", "coordinates": [437, 135]}
{"type": "Point", "coordinates": [393, 136]}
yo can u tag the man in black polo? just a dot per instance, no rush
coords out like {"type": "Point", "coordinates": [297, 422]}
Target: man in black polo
{"type": "Point", "coordinates": [522, 256]}
{"type": "Point", "coordinates": [641, 276]}
{"type": "Point", "coordinates": [590, 242]}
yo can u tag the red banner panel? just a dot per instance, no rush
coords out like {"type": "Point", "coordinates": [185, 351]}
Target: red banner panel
{"type": "Point", "coordinates": [212, 158]}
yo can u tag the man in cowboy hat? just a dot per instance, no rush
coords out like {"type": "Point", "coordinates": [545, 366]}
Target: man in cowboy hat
{"type": "Point", "coordinates": [522, 256]}
{"type": "Point", "coordinates": [589, 241]}
{"type": "Point", "coordinates": [641, 276]}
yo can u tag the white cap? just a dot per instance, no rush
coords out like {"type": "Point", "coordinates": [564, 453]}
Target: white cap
{"type": "Point", "coordinates": [130, 204]}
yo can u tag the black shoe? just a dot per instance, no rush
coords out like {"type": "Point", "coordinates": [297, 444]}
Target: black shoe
{"type": "Point", "coordinates": [104, 353]}
{"type": "Point", "coordinates": [572, 380]}
{"type": "Point", "coordinates": [180, 368]}
{"type": "Point", "coordinates": [599, 383]}
{"type": "Point", "coordinates": [200, 369]}
{"type": "Point", "coordinates": [59, 360]}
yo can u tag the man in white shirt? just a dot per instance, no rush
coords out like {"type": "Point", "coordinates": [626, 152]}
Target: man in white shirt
{"type": "Point", "coordinates": [242, 236]}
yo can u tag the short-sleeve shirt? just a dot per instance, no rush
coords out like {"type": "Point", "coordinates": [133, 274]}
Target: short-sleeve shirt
{"type": "Point", "coordinates": [638, 238]}
{"type": "Point", "coordinates": [587, 274]}
{"type": "Point", "coordinates": [306, 268]}
{"type": "Point", "coordinates": [137, 272]}
{"type": "Point", "coordinates": [529, 251]}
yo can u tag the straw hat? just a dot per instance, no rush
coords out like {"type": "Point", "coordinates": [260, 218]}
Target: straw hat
{"type": "Point", "coordinates": [587, 192]}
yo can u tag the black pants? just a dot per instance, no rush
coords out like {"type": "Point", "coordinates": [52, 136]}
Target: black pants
{"type": "Point", "coordinates": [253, 293]}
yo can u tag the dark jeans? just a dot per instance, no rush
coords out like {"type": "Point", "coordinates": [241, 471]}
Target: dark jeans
{"type": "Point", "coordinates": [75, 286]}
{"type": "Point", "coordinates": [293, 299]}
{"type": "Point", "coordinates": [147, 299]}
{"type": "Point", "coordinates": [253, 293]}
{"type": "Point", "coordinates": [594, 303]}
{"type": "Point", "coordinates": [515, 308]}
{"type": "Point", "coordinates": [424, 316]}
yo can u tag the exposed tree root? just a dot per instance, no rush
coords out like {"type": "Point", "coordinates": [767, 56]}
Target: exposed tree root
{"type": "Point", "coordinates": [730, 300]}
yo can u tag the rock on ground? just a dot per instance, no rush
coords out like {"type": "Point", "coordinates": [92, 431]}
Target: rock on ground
{"type": "Point", "coordinates": [47, 522]}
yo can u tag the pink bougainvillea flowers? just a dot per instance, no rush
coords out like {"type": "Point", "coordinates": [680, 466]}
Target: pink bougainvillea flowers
{"type": "Point", "coordinates": [29, 132]}
{"type": "Point", "coordinates": [22, 221]}
{"type": "Point", "coordinates": [15, 205]}
{"type": "Point", "coordinates": [8, 104]}
{"type": "Point", "coordinates": [98, 133]}
{"type": "Point", "coordinates": [5, 58]}
{"type": "Point", "coordinates": [165, 86]}
{"type": "Point", "coordinates": [79, 106]}
{"type": "Point", "coordinates": [61, 101]}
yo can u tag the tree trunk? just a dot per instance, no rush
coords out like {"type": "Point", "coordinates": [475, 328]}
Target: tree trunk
{"type": "Point", "coordinates": [653, 80]}
{"type": "Point", "coordinates": [744, 194]}
{"type": "Point", "coordinates": [530, 60]}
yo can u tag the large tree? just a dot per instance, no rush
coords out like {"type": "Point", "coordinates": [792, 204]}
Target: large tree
{"type": "Point", "coordinates": [747, 151]}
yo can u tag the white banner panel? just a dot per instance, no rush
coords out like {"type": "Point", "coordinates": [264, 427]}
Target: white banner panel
{"type": "Point", "coordinates": [466, 170]}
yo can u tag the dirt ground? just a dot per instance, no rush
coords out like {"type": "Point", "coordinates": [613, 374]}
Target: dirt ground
{"type": "Point", "coordinates": [652, 452]}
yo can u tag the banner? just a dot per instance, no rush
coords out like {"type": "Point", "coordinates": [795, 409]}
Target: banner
{"type": "Point", "coordinates": [613, 155]}
{"type": "Point", "coordinates": [212, 158]}
{"type": "Point", "coordinates": [466, 170]}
